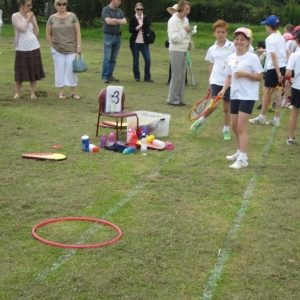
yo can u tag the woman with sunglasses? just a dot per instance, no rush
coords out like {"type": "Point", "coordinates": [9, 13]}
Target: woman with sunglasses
{"type": "Point", "coordinates": [138, 27]}
{"type": "Point", "coordinates": [28, 61]}
{"type": "Point", "coordinates": [64, 37]}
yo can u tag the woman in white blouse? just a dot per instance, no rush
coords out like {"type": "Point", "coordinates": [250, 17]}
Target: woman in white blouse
{"type": "Point", "coordinates": [28, 61]}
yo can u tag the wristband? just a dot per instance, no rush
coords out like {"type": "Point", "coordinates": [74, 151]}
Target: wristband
{"type": "Point", "coordinates": [288, 77]}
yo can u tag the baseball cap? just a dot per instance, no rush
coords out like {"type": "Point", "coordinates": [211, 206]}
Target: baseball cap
{"type": "Point", "coordinates": [271, 20]}
{"type": "Point", "coordinates": [295, 31]}
{"type": "Point", "coordinates": [171, 10]}
{"type": "Point", "coordinates": [244, 31]}
{"type": "Point", "coordinates": [250, 32]}
{"type": "Point", "coordinates": [288, 36]}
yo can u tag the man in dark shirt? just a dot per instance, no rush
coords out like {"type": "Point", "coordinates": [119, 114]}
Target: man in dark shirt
{"type": "Point", "coordinates": [112, 18]}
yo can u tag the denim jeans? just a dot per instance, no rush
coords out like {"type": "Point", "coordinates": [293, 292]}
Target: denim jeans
{"type": "Point", "coordinates": [112, 44]}
{"type": "Point", "coordinates": [146, 55]}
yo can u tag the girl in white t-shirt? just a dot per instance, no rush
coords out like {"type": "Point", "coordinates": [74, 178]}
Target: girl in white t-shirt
{"type": "Point", "coordinates": [244, 71]}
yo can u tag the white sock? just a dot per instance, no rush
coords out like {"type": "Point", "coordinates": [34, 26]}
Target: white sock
{"type": "Point", "coordinates": [225, 128]}
{"type": "Point", "coordinates": [201, 119]}
{"type": "Point", "coordinates": [276, 119]}
{"type": "Point", "coordinates": [262, 117]}
{"type": "Point", "coordinates": [242, 156]}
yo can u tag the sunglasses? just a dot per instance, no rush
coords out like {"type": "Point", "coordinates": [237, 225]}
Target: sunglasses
{"type": "Point", "coordinates": [62, 4]}
{"type": "Point", "coordinates": [141, 9]}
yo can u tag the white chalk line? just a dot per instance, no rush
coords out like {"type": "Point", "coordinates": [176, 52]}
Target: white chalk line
{"type": "Point", "coordinates": [67, 254]}
{"type": "Point", "coordinates": [223, 256]}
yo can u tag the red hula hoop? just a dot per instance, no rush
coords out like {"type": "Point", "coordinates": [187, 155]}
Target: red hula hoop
{"type": "Point", "coordinates": [76, 219]}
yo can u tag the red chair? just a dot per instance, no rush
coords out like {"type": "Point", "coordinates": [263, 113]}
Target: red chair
{"type": "Point", "coordinates": [118, 124]}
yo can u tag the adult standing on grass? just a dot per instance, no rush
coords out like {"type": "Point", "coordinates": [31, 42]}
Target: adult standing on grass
{"type": "Point", "coordinates": [217, 55]}
{"type": "Point", "coordinates": [112, 18]}
{"type": "Point", "coordinates": [179, 37]}
{"type": "Point", "coordinates": [64, 37]}
{"type": "Point", "coordinates": [244, 71]}
{"type": "Point", "coordinates": [28, 61]}
{"type": "Point", "coordinates": [138, 26]}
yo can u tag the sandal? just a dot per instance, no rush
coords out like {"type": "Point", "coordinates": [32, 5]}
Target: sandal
{"type": "Point", "coordinates": [61, 96]}
{"type": "Point", "coordinates": [17, 96]}
{"type": "Point", "coordinates": [33, 97]}
{"type": "Point", "coordinates": [75, 96]}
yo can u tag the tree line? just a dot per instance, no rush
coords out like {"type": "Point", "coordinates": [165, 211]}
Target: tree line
{"type": "Point", "coordinates": [207, 11]}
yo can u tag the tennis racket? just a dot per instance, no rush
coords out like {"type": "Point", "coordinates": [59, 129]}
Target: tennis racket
{"type": "Point", "coordinates": [203, 106]}
{"type": "Point", "coordinates": [276, 99]}
{"type": "Point", "coordinates": [189, 62]}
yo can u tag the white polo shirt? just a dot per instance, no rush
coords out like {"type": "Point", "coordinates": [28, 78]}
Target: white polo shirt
{"type": "Point", "coordinates": [218, 56]}
{"type": "Point", "coordinates": [243, 88]}
{"type": "Point", "coordinates": [294, 64]}
{"type": "Point", "coordinates": [276, 43]}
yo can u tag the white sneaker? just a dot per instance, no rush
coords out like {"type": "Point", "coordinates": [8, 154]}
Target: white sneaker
{"type": "Point", "coordinates": [273, 123]}
{"type": "Point", "coordinates": [258, 121]}
{"type": "Point", "coordinates": [239, 164]}
{"type": "Point", "coordinates": [290, 141]}
{"type": "Point", "coordinates": [232, 157]}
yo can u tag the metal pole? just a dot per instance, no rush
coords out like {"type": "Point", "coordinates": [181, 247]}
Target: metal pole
{"type": "Point", "coordinates": [1, 24]}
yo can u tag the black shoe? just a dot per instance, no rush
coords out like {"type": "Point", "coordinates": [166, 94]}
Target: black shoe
{"type": "Point", "coordinates": [137, 80]}
{"type": "Point", "coordinates": [176, 104]}
{"type": "Point", "coordinates": [150, 80]}
{"type": "Point", "coordinates": [112, 78]}
{"type": "Point", "coordinates": [258, 107]}
{"type": "Point", "coordinates": [105, 80]}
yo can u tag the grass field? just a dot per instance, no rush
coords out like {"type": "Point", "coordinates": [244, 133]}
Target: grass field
{"type": "Point", "coordinates": [192, 227]}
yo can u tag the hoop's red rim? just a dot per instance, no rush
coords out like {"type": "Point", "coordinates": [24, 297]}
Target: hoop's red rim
{"type": "Point", "coordinates": [76, 219]}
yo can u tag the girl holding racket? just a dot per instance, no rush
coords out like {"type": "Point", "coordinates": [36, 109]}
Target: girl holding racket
{"type": "Point", "coordinates": [243, 71]}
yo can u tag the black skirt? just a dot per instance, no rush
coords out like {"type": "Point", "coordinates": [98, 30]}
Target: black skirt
{"type": "Point", "coordinates": [28, 66]}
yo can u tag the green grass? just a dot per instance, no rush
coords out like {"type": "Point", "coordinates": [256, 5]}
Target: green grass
{"type": "Point", "coordinates": [175, 208]}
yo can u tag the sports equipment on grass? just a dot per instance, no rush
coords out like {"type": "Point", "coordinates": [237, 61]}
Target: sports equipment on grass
{"type": "Point", "coordinates": [277, 97]}
{"type": "Point", "coordinates": [77, 246]}
{"type": "Point", "coordinates": [189, 62]}
{"type": "Point", "coordinates": [45, 156]}
{"type": "Point", "coordinates": [203, 106]}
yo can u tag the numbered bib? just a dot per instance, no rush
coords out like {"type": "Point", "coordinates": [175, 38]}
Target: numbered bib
{"type": "Point", "coordinates": [113, 99]}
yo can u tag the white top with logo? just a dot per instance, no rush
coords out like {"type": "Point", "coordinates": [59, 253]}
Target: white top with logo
{"type": "Point", "coordinates": [243, 88]}
{"type": "Point", "coordinates": [218, 56]}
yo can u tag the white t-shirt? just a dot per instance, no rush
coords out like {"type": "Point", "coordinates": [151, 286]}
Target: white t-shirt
{"type": "Point", "coordinates": [294, 64]}
{"type": "Point", "coordinates": [243, 88]}
{"type": "Point", "coordinates": [276, 43]}
{"type": "Point", "coordinates": [291, 44]}
{"type": "Point", "coordinates": [218, 56]}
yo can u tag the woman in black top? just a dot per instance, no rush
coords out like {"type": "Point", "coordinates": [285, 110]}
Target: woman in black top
{"type": "Point", "coordinates": [138, 26]}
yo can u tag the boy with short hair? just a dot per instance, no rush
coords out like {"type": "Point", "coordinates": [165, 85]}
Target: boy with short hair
{"type": "Point", "coordinates": [294, 65]}
{"type": "Point", "coordinates": [276, 60]}
{"type": "Point", "coordinates": [217, 55]}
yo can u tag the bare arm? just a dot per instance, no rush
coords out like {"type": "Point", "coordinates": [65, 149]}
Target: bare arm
{"type": "Point", "coordinates": [226, 85]}
{"type": "Point", "coordinates": [211, 65]}
{"type": "Point", "coordinates": [78, 37]}
{"type": "Point", "coordinates": [275, 62]}
{"type": "Point", "coordinates": [35, 26]}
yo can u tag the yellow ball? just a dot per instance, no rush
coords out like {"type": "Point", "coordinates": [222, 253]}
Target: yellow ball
{"type": "Point", "coordinates": [150, 138]}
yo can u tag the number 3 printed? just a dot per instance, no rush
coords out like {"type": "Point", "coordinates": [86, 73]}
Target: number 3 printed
{"type": "Point", "coordinates": [116, 95]}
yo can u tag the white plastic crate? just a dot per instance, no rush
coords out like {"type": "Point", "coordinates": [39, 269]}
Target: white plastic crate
{"type": "Point", "coordinates": [157, 123]}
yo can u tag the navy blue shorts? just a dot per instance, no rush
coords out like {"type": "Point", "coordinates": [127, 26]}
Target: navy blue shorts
{"type": "Point", "coordinates": [216, 89]}
{"type": "Point", "coordinates": [271, 78]}
{"type": "Point", "coordinates": [295, 98]}
{"type": "Point", "coordinates": [245, 106]}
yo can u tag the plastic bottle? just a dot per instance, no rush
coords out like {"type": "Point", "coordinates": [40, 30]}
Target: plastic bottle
{"type": "Point", "coordinates": [129, 150]}
{"type": "Point", "coordinates": [85, 143]}
{"type": "Point", "coordinates": [129, 134]}
{"type": "Point", "coordinates": [144, 144]}
{"type": "Point", "coordinates": [103, 141]}
{"type": "Point", "coordinates": [159, 143]}
{"type": "Point", "coordinates": [112, 107]}
{"type": "Point", "coordinates": [93, 148]}
{"type": "Point", "coordinates": [111, 139]}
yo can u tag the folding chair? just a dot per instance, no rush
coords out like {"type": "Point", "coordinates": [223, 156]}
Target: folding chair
{"type": "Point", "coordinates": [118, 124]}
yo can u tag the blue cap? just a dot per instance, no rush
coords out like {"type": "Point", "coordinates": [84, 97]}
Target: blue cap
{"type": "Point", "coordinates": [271, 20]}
